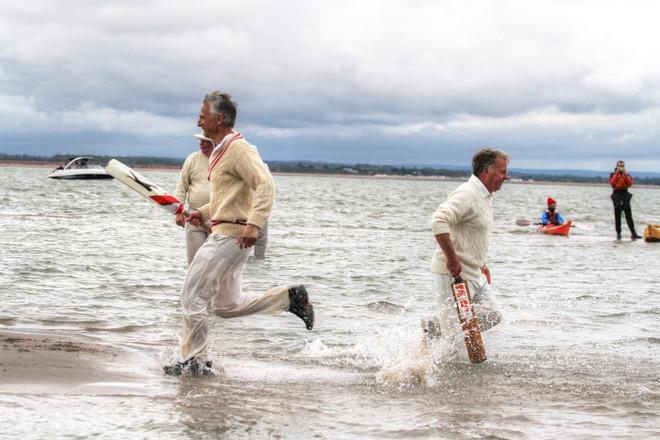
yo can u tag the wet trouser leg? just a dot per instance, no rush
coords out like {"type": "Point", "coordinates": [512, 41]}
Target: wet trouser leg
{"type": "Point", "coordinates": [214, 278]}
{"type": "Point", "coordinates": [485, 306]}
{"type": "Point", "coordinates": [617, 218]}
{"type": "Point", "coordinates": [627, 210]}
{"type": "Point", "coordinates": [621, 200]}
{"type": "Point", "coordinates": [262, 241]}
{"type": "Point", "coordinates": [195, 238]}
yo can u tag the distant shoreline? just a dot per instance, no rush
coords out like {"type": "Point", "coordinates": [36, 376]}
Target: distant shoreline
{"type": "Point", "coordinates": [162, 167]}
{"type": "Point", "coordinates": [53, 165]}
{"type": "Point", "coordinates": [456, 179]}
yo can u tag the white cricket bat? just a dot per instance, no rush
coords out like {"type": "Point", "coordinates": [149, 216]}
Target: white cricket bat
{"type": "Point", "coordinates": [145, 187]}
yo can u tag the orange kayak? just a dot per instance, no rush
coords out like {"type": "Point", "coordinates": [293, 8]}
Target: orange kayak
{"type": "Point", "coordinates": [652, 233]}
{"type": "Point", "coordinates": [563, 229]}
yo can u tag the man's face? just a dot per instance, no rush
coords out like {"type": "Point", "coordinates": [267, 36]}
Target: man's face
{"type": "Point", "coordinates": [494, 177]}
{"type": "Point", "coordinates": [205, 147]}
{"type": "Point", "coordinates": [207, 121]}
{"type": "Point", "coordinates": [620, 164]}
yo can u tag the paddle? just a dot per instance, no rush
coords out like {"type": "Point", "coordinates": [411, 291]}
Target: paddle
{"type": "Point", "coordinates": [527, 222]}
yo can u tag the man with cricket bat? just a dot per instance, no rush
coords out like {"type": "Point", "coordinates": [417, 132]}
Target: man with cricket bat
{"type": "Point", "coordinates": [241, 198]}
{"type": "Point", "coordinates": [462, 227]}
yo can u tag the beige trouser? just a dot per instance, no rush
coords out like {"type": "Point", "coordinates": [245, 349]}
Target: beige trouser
{"type": "Point", "coordinates": [262, 240]}
{"type": "Point", "coordinates": [214, 281]}
{"type": "Point", "coordinates": [195, 238]}
{"type": "Point", "coordinates": [446, 316]}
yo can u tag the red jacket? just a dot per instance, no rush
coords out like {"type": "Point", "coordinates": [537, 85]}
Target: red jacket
{"type": "Point", "coordinates": [621, 181]}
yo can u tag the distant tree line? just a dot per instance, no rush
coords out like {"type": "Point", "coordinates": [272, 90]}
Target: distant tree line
{"type": "Point", "coordinates": [372, 170]}
{"type": "Point", "coordinates": [329, 168]}
{"type": "Point", "coordinates": [362, 169]}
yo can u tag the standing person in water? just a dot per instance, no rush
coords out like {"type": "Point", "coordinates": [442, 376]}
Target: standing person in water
{"type": "Point", "coordinates": [551, 215]}
{"type": "Point", "coordinates": [462, 227]}
{"type": "Point", "coordinates": [192, 189]}
{"type": "Point", "coordinates": [241, 197]}
{"type": "Point", "coordinates": [620, 181]}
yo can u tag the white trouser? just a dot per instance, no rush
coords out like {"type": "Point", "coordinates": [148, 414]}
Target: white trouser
{"type": "Point", "coordinates": [214, 281]}
{"type": "Point", "coordinates": [195, 238]}
{"type": "Point", "coordinates": [484, 302]}
{"type": "Point", "coordinates": [262, 240]}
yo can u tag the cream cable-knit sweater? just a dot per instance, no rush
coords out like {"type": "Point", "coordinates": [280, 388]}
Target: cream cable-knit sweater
{"type": "Point", "coordinates": [467, 215]}
{"type": "Point", "coordinates": [240, 189]}
{"type": "Point", "coordinates": [193, 184]}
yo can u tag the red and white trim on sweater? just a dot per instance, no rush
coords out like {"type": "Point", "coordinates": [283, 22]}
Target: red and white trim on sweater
{"type": "Point", "coordinates": [221, 149]}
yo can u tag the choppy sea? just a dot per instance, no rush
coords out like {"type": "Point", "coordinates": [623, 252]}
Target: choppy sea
{"type": "Point", "coordinates": [578, 355]}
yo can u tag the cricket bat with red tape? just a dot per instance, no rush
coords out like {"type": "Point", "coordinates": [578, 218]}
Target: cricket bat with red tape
{"type": "Point", "coordinates": [468, 320]}
{"type": "Point", "coordinates": [145, 187]}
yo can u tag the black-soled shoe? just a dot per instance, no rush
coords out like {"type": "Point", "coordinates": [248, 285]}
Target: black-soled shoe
{"type": "Point", "coordinates": [618, 235]}
{"type": "Point", "coordinates": [300, 305]}
{"type": "Point", "coordinates": [201, 368]}
{"type": "Point", "coordinates": [176, 369]}
{"type": "Point", "coordinates": [192, 367]}
{"type": "Point", "coordinates": [634, 236]}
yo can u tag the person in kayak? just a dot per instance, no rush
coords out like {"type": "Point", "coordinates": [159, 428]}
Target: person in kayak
{"type": "Point", "coordinates": [551, 215]}
{"type": "Point", "coordinates": [620, 181]}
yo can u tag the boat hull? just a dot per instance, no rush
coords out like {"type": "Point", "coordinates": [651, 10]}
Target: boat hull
{"type": "Point", "coordinates": [80, 168]}
{"type": "Point", "coordinates": [90, 176]}
{"type": "Point", "coordinates": [563, 229]}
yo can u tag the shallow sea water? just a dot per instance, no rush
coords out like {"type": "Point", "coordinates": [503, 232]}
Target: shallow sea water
{"type": "Point", "coordinates": [578, 354]}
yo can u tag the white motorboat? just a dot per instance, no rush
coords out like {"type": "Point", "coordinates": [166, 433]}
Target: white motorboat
{"type": "Point", "coordinates": [80, 168]}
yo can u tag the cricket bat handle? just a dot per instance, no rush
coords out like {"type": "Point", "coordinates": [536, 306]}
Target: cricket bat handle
{"type": "Point", "coordinates": [186, 214]}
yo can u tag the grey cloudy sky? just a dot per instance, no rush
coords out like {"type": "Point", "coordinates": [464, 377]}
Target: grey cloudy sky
{"type": "Point", "coordinates": [558, 84]}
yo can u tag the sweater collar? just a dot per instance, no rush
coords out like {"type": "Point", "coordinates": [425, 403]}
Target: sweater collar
{"type": "Point", "coordinates": [479, 185]}
{"type": "Point", "coordinates": [223, 142]}
{"type": "Point", "coordinates": [221, 149]}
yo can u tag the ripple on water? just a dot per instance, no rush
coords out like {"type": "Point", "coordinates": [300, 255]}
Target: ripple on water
{"type": "Point", "coordinates": [385, 307]}
{"type": "Point", "coordinates": [576, 340]}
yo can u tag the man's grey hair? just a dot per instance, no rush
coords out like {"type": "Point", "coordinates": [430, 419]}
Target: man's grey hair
{"type": "Point", "coordinates": [485, 159]}
{"type": "Point", "coordinates": [221, 103]}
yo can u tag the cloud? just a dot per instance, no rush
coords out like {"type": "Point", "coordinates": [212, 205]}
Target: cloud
{"type": "Point", "coordinates": [15, 110]}
{"type": "Point", "coordinates": [88, 116]}
{"type": "Point", "coordinates": [371, 80]}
